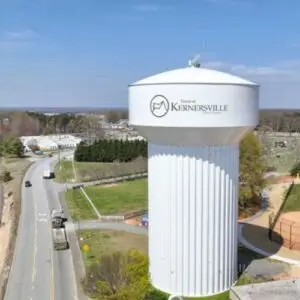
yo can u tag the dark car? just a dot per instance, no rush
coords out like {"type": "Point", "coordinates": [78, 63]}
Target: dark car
{"type": "Point", "coordinates": [27, 183]}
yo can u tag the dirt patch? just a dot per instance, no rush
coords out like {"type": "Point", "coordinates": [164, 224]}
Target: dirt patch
{"type": "Point", "coordinates": [10, 217]}
{"type": "Point", "coordinates": [292, 273]}
{"type": "Point", "coordinates": [285, 179]}
{"type": "Point", "coordinates": [5, 227]}
{"type": "Point", "coordinates": [291, 217]}
{"type": "Point", "coordinates": [134, 222]}
{"type": "Point", "coordinates": [109, 185]}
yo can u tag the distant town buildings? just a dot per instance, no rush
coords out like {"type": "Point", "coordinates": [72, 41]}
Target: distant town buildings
{"type": "Point", "coordinates": [120, 130]}
{"type": "Point", "coordinates": [51, 114]}
{"type": "Point", "coordinates": [50, 142]}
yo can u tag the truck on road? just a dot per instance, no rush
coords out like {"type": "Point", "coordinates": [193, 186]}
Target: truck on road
{"type": "Point", "coordinates": [58, 218]}
{"type": "Point", "coordinates": [48, 174]}
{"type": "Point", "coordinates": [60, 241]}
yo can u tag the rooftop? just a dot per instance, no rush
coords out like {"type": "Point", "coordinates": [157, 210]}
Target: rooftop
{"type": "Point", "coordinates": [194, 75]}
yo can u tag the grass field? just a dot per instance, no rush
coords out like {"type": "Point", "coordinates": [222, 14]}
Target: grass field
{"type": "Point", "coordinates": [109, 199]}
{"type": "Point", "coordinates": [64, 171]}
{"type": "Point", "coordinates": [108, 241]}
{"type": "Point", "coordinates": [78, 206]}
{"type": "Point", "coordinates": [293, 201]}
{"type": "Point", "coordinates": [89, 171]}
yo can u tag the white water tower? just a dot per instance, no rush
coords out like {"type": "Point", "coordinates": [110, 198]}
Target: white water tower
{"type": "Point", "coordinates": [193, 119]}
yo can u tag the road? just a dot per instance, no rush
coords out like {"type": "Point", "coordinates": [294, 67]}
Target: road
{"type": "Point", "coordinates": [38, 272]}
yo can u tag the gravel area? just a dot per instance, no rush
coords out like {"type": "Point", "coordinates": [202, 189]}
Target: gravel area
{"type": "Point", "coordinates": [277, 290]}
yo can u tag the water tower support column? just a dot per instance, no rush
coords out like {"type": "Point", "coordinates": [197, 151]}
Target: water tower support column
{"type": "Point", "coordinates": [193, 209]}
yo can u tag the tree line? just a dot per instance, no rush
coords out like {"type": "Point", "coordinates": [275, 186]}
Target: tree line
{"type": "Point", "coordinates": [33, 123]}
{"type": "Point", "coordinates": [107, 151]}
{"type": "Point", "coordinates": [279, 121]}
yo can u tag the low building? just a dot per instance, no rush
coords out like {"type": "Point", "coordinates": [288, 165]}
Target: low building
{"type": "Point", "coordinates": [50, 142]}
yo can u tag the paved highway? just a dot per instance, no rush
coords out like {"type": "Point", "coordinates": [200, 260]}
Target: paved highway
{"type": "Point", "coordinates": [38, 272]}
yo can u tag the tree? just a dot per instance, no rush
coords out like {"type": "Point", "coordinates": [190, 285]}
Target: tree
{"type": "Point", "coordinates": [252, 170]}
{"type": "Point", "coordinates": [113, 116]}
{"type": "Point", "coordinates": [109, 151]}
{"type": "Point", "coordinates": [12, 146]}
{"type": "Point", "coordinates": [121, 276]}
{"type": "Point", "coordinates": [6, 176]}
{"type": "Point", "coordinates": [295, 169]}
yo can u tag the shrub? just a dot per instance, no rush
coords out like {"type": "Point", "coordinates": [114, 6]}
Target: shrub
{"type": "Point", "coordinates": [295, 169]}
{"type": "Point", "coordinates": [271, 169]}
{"type": "Point", "coordinates": [5, 176]}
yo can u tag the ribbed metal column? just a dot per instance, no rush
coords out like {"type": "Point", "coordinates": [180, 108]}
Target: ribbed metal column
{"type": "Point", "coordinates": [193, 207]}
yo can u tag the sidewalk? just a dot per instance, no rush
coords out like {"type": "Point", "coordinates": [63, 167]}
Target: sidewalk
{"type": "Point", "coordinates": [255, 231]}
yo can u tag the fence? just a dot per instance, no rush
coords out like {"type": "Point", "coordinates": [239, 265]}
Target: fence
{"type": "Point", "coordinates": [273, 219]}
{"type": "Point", "coordinates": [287, 232]}
{"type": "Point", "coordinates": [112, 218]}
{"type": "Point", "coordinates": [108, 180]}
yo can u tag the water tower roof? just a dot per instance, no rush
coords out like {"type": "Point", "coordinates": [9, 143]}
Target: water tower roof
{"type": "Point", "coordinates": [193, 75]}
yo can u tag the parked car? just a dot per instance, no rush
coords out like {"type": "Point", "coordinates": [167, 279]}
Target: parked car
{"type": "Point", "coordinates": [145, 221]}
{"type": "Point", "coordinates": [28, 183]}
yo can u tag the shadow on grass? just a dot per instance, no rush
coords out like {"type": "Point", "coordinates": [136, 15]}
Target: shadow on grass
{"type": "Point", "coordinates": [263, 269]}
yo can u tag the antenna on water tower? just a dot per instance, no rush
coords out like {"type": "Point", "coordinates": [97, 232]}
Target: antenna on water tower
{"type": "Point", "coordinates": [194, 62]}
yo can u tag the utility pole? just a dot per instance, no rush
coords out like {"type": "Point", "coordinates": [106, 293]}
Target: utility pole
{"type": "Point", "coordinates": [58, 153]}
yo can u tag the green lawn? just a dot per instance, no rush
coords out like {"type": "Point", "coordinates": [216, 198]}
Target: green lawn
{"type": "Point", "coordinates": [109, 241]}
{"type": "Point", "coordinates": [89, 171]}
{"type": "Point", "coordinates": [293, 201]}
{"type": "Point", "coordinates": [109, 199]}
{"type": "Point", "coordinates": [78, 206]}
{"type": "Point", "coordinates": [64, 171]}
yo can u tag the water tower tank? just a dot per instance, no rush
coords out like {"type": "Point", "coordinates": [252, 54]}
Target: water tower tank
{"type": "Point", "coordinates": [193, 119]}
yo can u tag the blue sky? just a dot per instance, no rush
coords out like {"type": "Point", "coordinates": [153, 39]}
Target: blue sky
{"type": "Point", "coordinates": [86, 52]}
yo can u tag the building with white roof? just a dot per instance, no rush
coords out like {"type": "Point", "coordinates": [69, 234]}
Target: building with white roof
{"type": "Point", "coordinates": [51, 142]}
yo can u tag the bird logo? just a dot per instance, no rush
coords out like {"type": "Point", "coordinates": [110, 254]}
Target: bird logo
{"type": "Point", "coordinates": [159, 106]}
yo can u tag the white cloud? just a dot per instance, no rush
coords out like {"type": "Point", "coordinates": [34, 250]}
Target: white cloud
{"type": "Point", "coordinates": [22, 35]}
{"type": "Point", "coordinates": [143, 7]}
{"type": "Point", "coordinates": [288, 70]}
{"type": "Point", "coordinates": [279, 82]}
{"type": "Point", "coordinates": [16, 40]}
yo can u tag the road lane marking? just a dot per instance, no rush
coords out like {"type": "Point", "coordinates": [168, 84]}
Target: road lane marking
{"type": "Point", "coordinates": [52, 286]}
{"type": "Point", "coordinates": [42, 215]}
{"type": "Point", "coordinates": [43, 220]}
{"type": "Point", "coordinates": [35, 242]}
{"type": "Point", "coordinates": [51, 274]}
{"type": "Point", "coordinates": [74, 277]}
